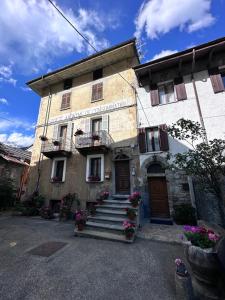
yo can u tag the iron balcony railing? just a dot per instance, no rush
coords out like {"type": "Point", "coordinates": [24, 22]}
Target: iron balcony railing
{"type": "Point", "coordinates": [55, 145]}
{"type": "Point", "coordinates": [93, 139]}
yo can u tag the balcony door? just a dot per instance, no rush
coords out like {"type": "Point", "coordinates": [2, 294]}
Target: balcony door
{"type": "Point", "coordinates": [96, 125]}
{"type": "Point", "coordinates": [62, 135]}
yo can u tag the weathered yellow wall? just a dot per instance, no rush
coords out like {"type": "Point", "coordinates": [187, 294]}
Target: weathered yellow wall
{"type": "Point", "coordinates": [122, 128]}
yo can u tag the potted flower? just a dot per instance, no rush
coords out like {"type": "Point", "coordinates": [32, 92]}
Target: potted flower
{"type": "Point", "coordinates": [129, 229]}
{"type": "Point", "coordinates": [78, 132]}
{"type": "Point", "coordinates": [200, 254]}
{"type": "Point", "coordinates": [104, 195]}
{"type": "Point", "coordinates": [56, 143]}
{"type": "Point", "coordinates": [135, 198]}
{"type": "Point", "coordinates": [93, 178]}
{"type": "Point", "coordinates": [131, 213]}
{"type": "Point", "coordinates": [56, 179]}
{"type": "Point", "coordinates": [43, 138]}
{"type": "Point", "coordinates": [80, 219]}
{"type": "Point", "coordinates": [95, 137]}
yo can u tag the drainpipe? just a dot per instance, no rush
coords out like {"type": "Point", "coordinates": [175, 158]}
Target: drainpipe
{"type": "Point", "coordinates": [196, 96]}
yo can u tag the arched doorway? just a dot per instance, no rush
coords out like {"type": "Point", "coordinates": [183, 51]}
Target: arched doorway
{"type": "Point", "coordinates": [122, 174]}
{"type": "Point", "coordinates": [158, 195]}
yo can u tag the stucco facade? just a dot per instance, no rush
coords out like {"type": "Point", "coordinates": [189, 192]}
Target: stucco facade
{"type": "Point", "coordinates": [116, 111]}
{"type": "Point", "coordinates": [205, 105]}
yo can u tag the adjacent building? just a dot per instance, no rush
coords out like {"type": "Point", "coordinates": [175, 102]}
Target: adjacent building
{"type": "Point", "coordinates": [191, 85]}
{"type": "Point", "coordinates": [86, 133]}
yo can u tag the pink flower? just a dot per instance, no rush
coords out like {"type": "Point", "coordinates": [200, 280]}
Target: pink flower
{"type": "Point", "coordinates": [178, 261]}
{"type": "Point", "coordinates": [213, 237]}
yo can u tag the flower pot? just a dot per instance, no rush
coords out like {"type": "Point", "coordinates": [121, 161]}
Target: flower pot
{"type": "Point", "coordinates": [80, 227]}
{"type": "Point", "coordinates": [205, 269]}
{"type": "Point", "coordinates": [129, 235]}
{"type": "Point", "coordinates": [131, 217]}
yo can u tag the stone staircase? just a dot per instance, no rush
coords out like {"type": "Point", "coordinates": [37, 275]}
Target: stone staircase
{"type": "Point", "coordinates": [107, 223]}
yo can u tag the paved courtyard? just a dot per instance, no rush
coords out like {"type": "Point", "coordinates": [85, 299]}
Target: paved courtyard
{"type": "Point", "coordinates": [84, 268]}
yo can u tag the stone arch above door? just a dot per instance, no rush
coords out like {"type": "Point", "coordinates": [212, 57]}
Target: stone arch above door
{"type": "Point", "coordinates": [155, 168]}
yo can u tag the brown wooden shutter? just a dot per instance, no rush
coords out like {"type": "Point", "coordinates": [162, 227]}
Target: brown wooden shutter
{"type": "Point", "coordinates": [180, 89]}
{"type": "Point", "coordinates": [65, 101]}
{"type": "Point", "coordinates": [154, 95]}
{"type": "Point", "coordinates": [97, 92]}
{"type": "Point", "coordinates": [142, 140]}
{"type": "Point", "coordinates": [216, 80]}
{"type": "Point", "coordinates": [163, 138]}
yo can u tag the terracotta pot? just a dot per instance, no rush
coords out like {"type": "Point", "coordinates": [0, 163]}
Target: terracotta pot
{"type": "Point", "coordinates": [129, 235]}
{"type": "Point", "coordinates": [206, 271]}
{"type": "Point", "coordinates": [131, 217]}
{"type": "Point", "coordinates": [80, 227]}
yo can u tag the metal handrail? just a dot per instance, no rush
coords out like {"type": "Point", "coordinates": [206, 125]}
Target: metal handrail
{"type": "Point", "coordinates": [92, 139]}
{"type": "Point", "coordinates": [49, 145]}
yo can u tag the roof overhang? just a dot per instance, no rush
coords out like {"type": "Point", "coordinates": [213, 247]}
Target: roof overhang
{"type": "Point", "coordinates": [181, 58]}
{"type": "Point", "coordinates": [98, 60]}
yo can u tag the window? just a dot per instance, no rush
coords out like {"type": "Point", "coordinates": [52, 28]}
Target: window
{"type": "Point", "coordinates": [58, 170]}
{"type": "Point", "coordinates": [68, 84]}
{"type": "Point", "coordinates": [97, 74]}
{"type": "Point", "coordinates": [166, 93]}
{"type": "Point", "coordinates": [65, 104]}
{"type": "Point", "coordinates": [63, 131]}
{"type": "Point", "coordinates": [152, 139]}
{"type": "Point", "coordinates": [223, 79]}
{"type": "Point", "coordinates": [96, 125]}
{"type": "Point", "coordinates": [97, 92]}
{"type": "Point", "coordinates": [218, 80]}
{"type": "Point", "coordinates": [95, 168]}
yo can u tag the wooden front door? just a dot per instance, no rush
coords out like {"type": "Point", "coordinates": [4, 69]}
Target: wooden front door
{"type": "Point", "coordinates": [122, 177]}
{"type": "Point", "coordinates": [158, 197]}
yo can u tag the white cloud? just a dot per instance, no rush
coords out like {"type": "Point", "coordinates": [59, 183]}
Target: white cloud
{"type": "Point", "coordinates": [4, 101]}
{"type": "Point", "coordinates": [14, 123]}
{"type": "Point", "coordinates": [164, 53]}
{"type": "Point", "coordinates": [25, 89]}
{"type": "Point", "coordinates": [157, 17]}
{"type": "Point", "coordinates": [17, 139]}
{"type": "Point", "coordinates": [34, 32]}
{"type": "Point", "coordinates": [6, 74]}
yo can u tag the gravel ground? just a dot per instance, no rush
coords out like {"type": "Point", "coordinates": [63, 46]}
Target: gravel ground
{"type": "Point", "coordinates": [84, 268]}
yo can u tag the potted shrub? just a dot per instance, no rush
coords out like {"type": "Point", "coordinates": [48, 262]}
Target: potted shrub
{"type": "Point", "coordinates": [200, 254]}
{"type": "Point", "coordinates": [66, 206]}
{"type": "Point", "coordinates": [129, 229]}
{"type": "Point", "coordinates": [135, 198]}
{"type": "Point", "coordinates": [46, 213]}
{"type": "Point", "coordinates": [131, 213]}
{"type": "Point", "coordinates": [80, 219]}
{"type": "Point", "coordinates": [56, 143]}
{"type": "Point", "coordinates": [79, 132]}
{"type": "Point", "coordinates": [43, 138]}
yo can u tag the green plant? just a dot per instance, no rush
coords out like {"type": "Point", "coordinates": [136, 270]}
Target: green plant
{"type": "Point", "coordinates": [204, 159]}
{"type": "Point", "coordinates": [184, 214]}
{"type": "Point", "coordinates": [129, 229]}
{"type": "Point", "coordinates": [66, 205]}
{"type": "Point", "coordinates": [7, 192]}
{"type": "Point", "coordinates": [131, 213]}
{"type": "Point", "coordinates": [46, 213]}
{"type": "Point", "coordinates": [30, 211]}
{"type": "Point", "coordinates": [200, 237]}
{"type": "Point", "coordinates": [135, 198]}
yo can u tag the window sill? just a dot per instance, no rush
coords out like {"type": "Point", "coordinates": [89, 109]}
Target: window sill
{"type": "Point", "coordinates": [65, 108]}
{"type": "Point", "coordinates": [92, 101]}
{"type": "Point", "coordinates": [155, 152]}
{"type": "Point", "coordinates": [56, 181]}
{"type": "Point", "coordinates": [99, 181]}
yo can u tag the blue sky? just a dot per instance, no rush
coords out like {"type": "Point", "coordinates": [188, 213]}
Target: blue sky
{"type": "Point", "coordinates": [35, 40]}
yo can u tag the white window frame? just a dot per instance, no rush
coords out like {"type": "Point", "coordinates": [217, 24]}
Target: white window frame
{"type": "Point", "coordinates": [88, 165]}
{"type": "Point", "coordinates": [54, 168]}
{"type": "Point", "coordinates": [174, 91]}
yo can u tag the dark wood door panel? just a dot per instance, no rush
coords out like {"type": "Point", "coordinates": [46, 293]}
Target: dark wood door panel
{"type": "Point", "coordinates": [122, 174]}
{"type": "Point", "coordinates": [158, 197]}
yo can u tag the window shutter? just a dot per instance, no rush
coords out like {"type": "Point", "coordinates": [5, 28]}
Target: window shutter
{"type": "Point", "coordinates": [55, 132]}
{"type": "Point", "coordinates": [163, 138]}
{"type": "Point", "coordinates": [97, 91]}
{"type": "Point", "coordinates": [65, 101]}
{"type": "Point", "coordinates": [154, 95]}
{"type": "Point", "coordinates": [105, 123]}
{"type": "Point", "coordinates": [87, 127]}
{"type": "Point", "coordinates": [69, 135]}
{"type": "Point", "coordinates": [180, 89]}
{"type": "Point", "coordinates": [216, 80]}
{"type": "Point", "coordinates": [142, 140]}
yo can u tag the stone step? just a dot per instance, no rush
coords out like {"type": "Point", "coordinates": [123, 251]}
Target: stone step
{"type": "Point", "coordinates": [104, 225]}
{"type": "Point", "coordinates": [102, 235]}
{"type": "Point", "coordinates": [117, 196]}
{"type": "Point", "coordinates": [114, 206]}
{"type": "Point", "coordinates": [108, 218]}
{"type": "Point", "coordinates": [117, 201]}
{"type": "Point", "coordinates": [111, 211]}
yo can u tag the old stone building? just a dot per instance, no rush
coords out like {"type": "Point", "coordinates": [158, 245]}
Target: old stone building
{"type": "Point", "coordinates": [86, 133]}
{"type": "Point", "coordinates": [191, 85]}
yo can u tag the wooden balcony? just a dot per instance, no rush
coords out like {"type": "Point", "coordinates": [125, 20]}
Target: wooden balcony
{"type": "Point", "coordinates": [53, 148]}
{"type": "Point", "coordinates": [91, 143]}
